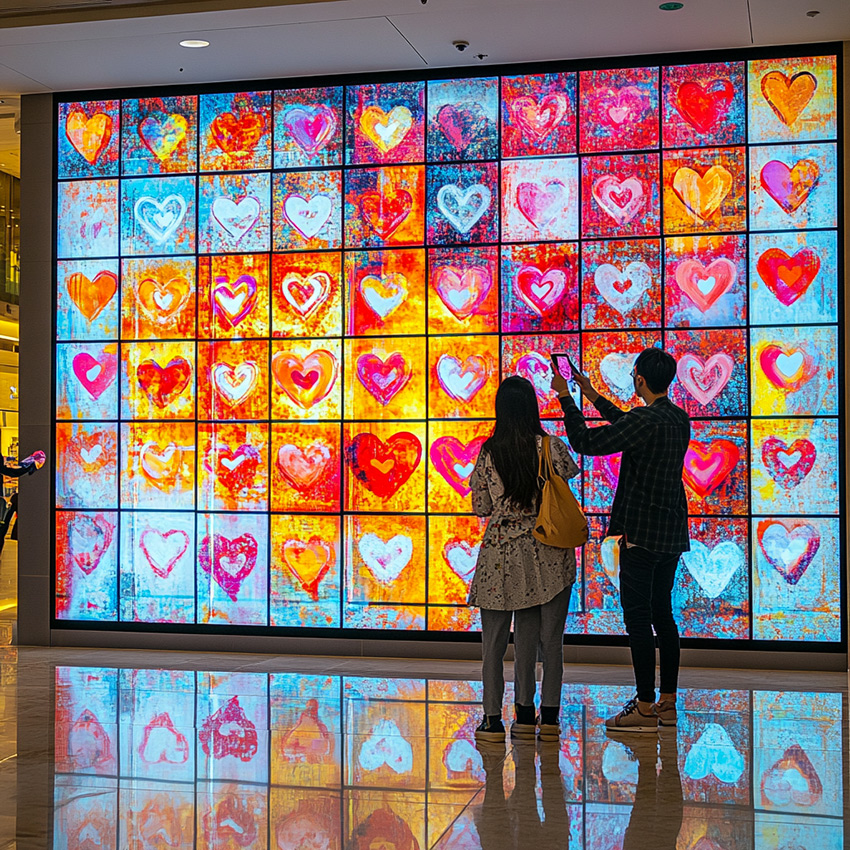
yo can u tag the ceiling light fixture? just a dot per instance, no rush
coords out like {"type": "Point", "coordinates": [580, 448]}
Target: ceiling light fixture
{"type": "Point", "coordinates": [194, 42]}
{"type": "Point", "coordinates": [671, 7]}
{"type": "Point", "coordinates": [813, 14]}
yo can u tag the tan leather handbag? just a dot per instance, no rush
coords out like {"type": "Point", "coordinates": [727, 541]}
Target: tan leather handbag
{"type": "Point", "coordinates": [560, 522]}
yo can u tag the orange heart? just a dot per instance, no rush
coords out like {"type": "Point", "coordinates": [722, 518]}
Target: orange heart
{"type": "Point", "coordinates": [306, 381]}
{"type": "Point", "coordinates": [702, 195]}
{"type": "Point", "coordinates": [89, 136]}
{"type": "Point", "coordinates": [160, 466]}
{"type": "Point", "coordinates": [162, 301]}
{"type": "Point", "coordinates": [788, 98]}
{"type": "Point", "coordinates": [385, 130]}
{"type": "Point", "coordinates": [238, 137]}
{"type": "Point", "coordinates": [91, 296]}
{"type": "Point", "coordinates": [308, 562]}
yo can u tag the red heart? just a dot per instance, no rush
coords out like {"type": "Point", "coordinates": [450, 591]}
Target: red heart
{"type": "Point", "coordinates": [385, 211]}
{"type": "Point", "coordinates": [89, 537]}
{"type": "Point", "coordinates": [708, 464]}
{"type": "Point", "coordinates": [460, 125]}
{"type": "Point", "coordinates": [462, 290]}
{"type": "Point", "coordinates": [788, 476]}
{"type": "Point", "coordinates": [786, 277]}
{"type": "Point", "coordinates": [177, 750]}
{"type": "Point", "coordinates": [539, 118]}
{"type": "Point", "coordinates": [620, 107]}
{"type": "Point", "coordinates": [95, 375]}
{"type": "Point", "coordinates": [236, 470]}
{"type": "Point", "coordinates": [238, 136]}
{"type": "Point", "coordinates": [229, 732]}
{"type": "Point", "coordinates": [702, 107]}
{"type": "Point", "coordinates": [543, 291]}
{"type": "Point", "coordinates": [230, 562]}
{"type": "Point", "coordinates": [777, 376]}
{"type": "Point", "coordinates": [383, 378]}
{"type": "Point", "coordinates": [162, 384]}
{"type": "Point", "coordinates": [455, 461]}
{"type": "Point", "coordinates": [383, 467]}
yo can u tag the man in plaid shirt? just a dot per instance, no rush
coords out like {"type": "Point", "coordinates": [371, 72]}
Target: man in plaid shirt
{"type": "Point", "coordinates": [650, 515]}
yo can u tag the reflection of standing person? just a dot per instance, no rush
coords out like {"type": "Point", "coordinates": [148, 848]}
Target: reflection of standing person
{"type": "Point", "coordinates": [517, 577]}
{"type": "Point", "coordinates": [12, 511]}
{"type": "Point", "coordinates": [650, 515]}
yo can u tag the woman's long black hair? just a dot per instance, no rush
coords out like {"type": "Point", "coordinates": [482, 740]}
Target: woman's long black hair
{"type": "Point", "coordinates": [513, 444]}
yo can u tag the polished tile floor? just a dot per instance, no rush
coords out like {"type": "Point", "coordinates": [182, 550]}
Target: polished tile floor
{"type": "Point", "coordinates": [107, 749]}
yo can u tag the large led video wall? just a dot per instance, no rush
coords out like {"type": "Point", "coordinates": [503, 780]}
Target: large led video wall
{"type": "Point", "coordinates": [282, 316]}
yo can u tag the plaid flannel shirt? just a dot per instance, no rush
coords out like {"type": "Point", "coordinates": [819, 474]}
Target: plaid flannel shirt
{"type": "Point", "coordinates": [650, 507]}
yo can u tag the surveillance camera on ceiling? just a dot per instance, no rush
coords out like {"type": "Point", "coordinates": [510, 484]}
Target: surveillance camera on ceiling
{"type": "Point", "coordinates": [460, 45]}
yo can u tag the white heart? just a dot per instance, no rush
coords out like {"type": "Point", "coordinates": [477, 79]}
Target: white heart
{"type": "Point", "coordinates": [610, 550]}
{"type": "Point", "coordinates": [237, 387]}
{"type": "Point", "coordinates": [606, 275]}
{"type": "Point", "coordinates": [92, 373]}
{"type": "Point", "coordinates": [381, 305]}
{"type": "Point", "coordinates": [706, 286]}
{"type": "Point", "coordinates": [461, 561]}
{"type": "Point", "coordinates": [162, 744]}
{"type": "Point", "coordinates": [233, 565]}
{"type": "Point", "coordinates": [458, 383]}
{"type": "Point", "coordinates": [163, 299]}
{"type": "Point", "coordinates": [616, 370]}
{"type": "Point", "coordinates": [386, 746]}
{"type": "Point", "coordinates": [386, 559]}
{"type": "Point", "coordinates": [456, 205]}
{"type": "Point", "coordinates": [714, 752]}
{"type": "Point", "coordinates": [236, 219]}
{"type": "Point", "coordinates": [789, 364]}
{"type": "Point", "coordinates": [318, 281]}
{"type": "Point", "coordinates": [161, 222]}
{"type": "Point", "coordinates": [713, 568]}
{"type": "Point", "coordinates": [162, 549]}
{"type": "Point", "coordinates": [308, 217]}
{"type": "Point", "coordinates": [231, 305]}
{"type": "Point", "coordinates": [464, 471]}
{"type": "Point", "coordinates": [462, 757]}
{"type": "Point", "coordinates": [232, 463]}
{"type": "Point", "coordinates": [616, 764]}
{"type": "Point", "coordinates": [92, 454]}
{"type": "Point", "coordinates": [780, 547]}
{"type": "Point", "coordinates": [789, 460]}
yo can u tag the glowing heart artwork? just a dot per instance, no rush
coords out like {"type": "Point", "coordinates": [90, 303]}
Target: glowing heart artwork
{"type": "Point", "coordinates": [236, 469]}
{"type": "Point", "coordinates": [791, 780]}
{"type": "Point", "coordinates": [463, 208]}
{"type": "Point", "coordinates": [162, 742]}
{"type": "Point", "coordinates": [229, 732]}
{"type": "Point", "coordinates": [384, 294]}
{"type": "Point", "coordinates": [309, 740]}
{"type": "Point", "coordinates": [385, 211]}
{"type": "Point", "coordinates": [460, 124]}
{"type": "Point", "coordinates": [160, 218]}
{"type": "Point", "coordinates": [788, 97]}
{"type": "Point", "coordinates": [311, 127]}
{"type": "Point", "coordinates": [385, 558]}
{"type": "Point", "coordinates": [89, 744]}
{"type": "Point", "coordinates": [304, 467]}
{"type": "Point", "coordinates": [462, 290]}
{"type": "Point", "coordinates": [306, 380]}
{"type": "Point", "coordinates": [238, 136]}
{"type": "Point", "coordinates": [789, 551]}
{"type": "Point", "coordinates": [702, 195]}
{"type": "Point", "coordinates": [715, 754]}
{"type": "Point", "coordinates": [461, 757]}
{"type": "Point", "coordinates": [386, 746]}
{"type": "Point", "coordinates": [623, 289]}
{"type": "Point", "coordinates": [461, 558]}
{"type": "Point", "coordinates": [538, 118]}
{"type": "Point", "coordinates": [383, 378]}
{"type": "Point", "coordinates": [705, 378]}
{"type": "Point", "coordinates": [306, 293]}
{"type": "Point", "coordinates": [540, 291]}
{"type": "Point", "coordinates": [89, 135]}
{"type": "Point", "coordinates": [308, 562]}
{"type": "Point", "coordinates": [91, 296]}
{"type": "Point", "coordinates": [542, 204]}
{"type": "Point", "coordinates": [383, 467]}
{"type": "Point", "coordinates": [788, 465]}
{"type": "Point", "coordinates": [163, 550]}
{"type": "Point", "coordinates": [234, 301]}
{"type": "Point", "coordinates": [161, 136]}
{"type": "Point", "coordinates": [616, 370]}
{"type": "Point", "coordinates": [788, 278]}
{"type": "Point", "coordinates": [455, 461]}
{"type": "Point", "coordinates": [235, 383]}
{"type": "Point", "coordinates": [616, 107]}
{"type": "Point", "coordinates": [462, 380]}
{"type": "Point", "coordinates": [229, 561]}
{"type": "Point", "coordinates": [90, 450]}
{"type": "Point", "coordinates": [713, 568]}
{"type": "Point", "coordinates": [617, 766]}
{"type": "Point", "coordinates": [622, 200]}
{"type": "Point", "coordinates": [160, 466]}
{"type": "Point", "coordinates": [537, 368]}
{"type": "Point", "coordinates": [307, 215]}
{"type": "Point", "coordinates": [787, 368]}
{"type": "Point", "coordinates": [231, 823]}
{"type": "Point", "coordinates": [163, 384]}
{"type": "Point", "coordinates": [385, 130]}
{"type": "Point", "coordinates": [95, 375]}
{"type": "Point", "coordinates": [89, 537]}
{"type": "Point", "coordinates": [704, 107]}
{"type": "Point", "coordinates": [609, 551]}
{"type": "Point", "coordinates": [236, 218]}
{"type": "Point", "coordinates": [790, 187]}
{"type": "Point", "coordinates": [705, 285]}
{"type": "Point", "coordinates": [708, 465]}
{"type": "Point", "coordinates": [162, 301]}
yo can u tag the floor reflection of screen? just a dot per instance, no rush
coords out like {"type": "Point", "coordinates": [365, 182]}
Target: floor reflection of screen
{"type": "Point", "coordinates": [158, 758]}
{"type": "Point", "coordinates": [282, 317]}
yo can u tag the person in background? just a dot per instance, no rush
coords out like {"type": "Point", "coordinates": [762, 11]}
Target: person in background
{"type": "Point", "coordinates": [649, 515]}
{"type": "Point", "coordinates": [27, 467]}
{"type": "Point", "coordinates": [517, 577]}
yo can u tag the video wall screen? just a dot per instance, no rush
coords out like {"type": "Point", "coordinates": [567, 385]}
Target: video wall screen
{"type": "Point", "coordinates": [282, 317]}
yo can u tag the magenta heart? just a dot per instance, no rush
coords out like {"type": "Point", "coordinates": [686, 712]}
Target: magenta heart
{"type": "Point", "coordinates": [96, 375]}
{"type": "Point", "coordinates": [236, 302]}
{"type": "Point", "coordinates": [455, 461]}
{"type": "Point", "coordinates": [230, 562]}
{"type": "Point", "coordinates": [311, 126]}
{"type": "Point", "coordinates": [459, 125]}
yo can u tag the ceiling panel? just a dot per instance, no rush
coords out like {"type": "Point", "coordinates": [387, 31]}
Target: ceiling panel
{"type": "Point", "coordinates": [786, 21]}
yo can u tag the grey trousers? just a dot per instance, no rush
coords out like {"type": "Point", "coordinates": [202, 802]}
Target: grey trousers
{"type": "Point", "coordinates": [539, 626]}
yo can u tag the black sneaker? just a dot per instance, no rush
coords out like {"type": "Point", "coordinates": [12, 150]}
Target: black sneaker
{"type": "Point", "coordinates": [490, 731]}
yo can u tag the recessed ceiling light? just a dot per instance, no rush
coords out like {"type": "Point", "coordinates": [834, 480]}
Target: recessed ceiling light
{"type": "Point", "coordinates": [671, 7]}
{"type": "Point", "coordinates": [813, 14]}
{"type": "Point", "coordinates": [194, 42]}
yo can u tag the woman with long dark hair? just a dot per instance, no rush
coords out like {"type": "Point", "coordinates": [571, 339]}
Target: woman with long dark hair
{"type": "Point", "coordinates": [516, 576]}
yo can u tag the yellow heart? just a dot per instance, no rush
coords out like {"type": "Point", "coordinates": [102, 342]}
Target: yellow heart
{"type": "Point", "coordinates": [385, 130]}
{"type": "Point", "coordinates": [702, 195]}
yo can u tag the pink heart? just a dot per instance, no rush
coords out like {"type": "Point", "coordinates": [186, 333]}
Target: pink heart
{"type": "Point", "coordinates": [705, 285]}
{"type": "Point", "coordinates": [622, 199]}
{"type": "Point", "coordinates": [705, 379]}
{"type": "Point", "coordinates": [383, 378]}
{"type": "Point", "coordinates": [163, 551]}
{"type": "Point", "coordinates": [95, 375]}
{"type": "Point", "coordinates": [620, 105]}
{"type": "Point", "coordinates": [462, 291]}
{"type": "Point", "coordinates": [541, 205]}
{"type": "Point", "coordinates": [229, 561]}
{"type": "Point", "coordinates": [540, 291]}
{"type": "Point", "coordinates": [455, 461]}
{"type": "Point", "coordinates": [311, 126]}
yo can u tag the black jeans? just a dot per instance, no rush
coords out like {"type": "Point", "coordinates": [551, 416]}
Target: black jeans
{"type": "Point", "coordinates": [646, 590]}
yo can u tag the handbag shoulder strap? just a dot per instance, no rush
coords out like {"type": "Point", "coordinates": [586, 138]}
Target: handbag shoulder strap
{"type": "Point", "coordinates": [545, 461]}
